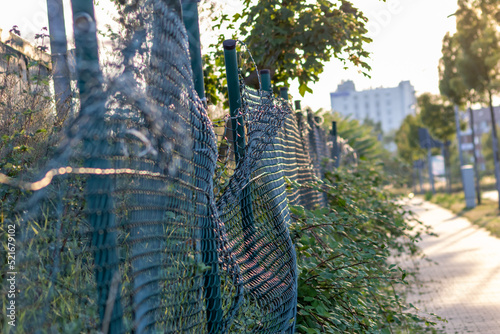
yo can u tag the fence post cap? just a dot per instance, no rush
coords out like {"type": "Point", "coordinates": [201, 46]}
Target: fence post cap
{"type": "Point", "coordinates": [264, 71]}
{"type": "Point", "coordinates": [229, 44]}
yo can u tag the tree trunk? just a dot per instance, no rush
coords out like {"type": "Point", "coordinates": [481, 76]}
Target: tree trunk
{"type": "Point", "coordinates": [58, 50]}
{"type": "Point", "coordinates": [431, 174]}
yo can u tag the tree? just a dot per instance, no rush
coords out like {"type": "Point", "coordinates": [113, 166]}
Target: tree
{"type": "Point", "coordinates": [362, 138]}
{"type": "Point", "coordinates": [407, 140]}
{"type": "Point", "coordinates": [452, 85]}
{"type": "Point", "coordinates": [479, 40]}
{"type": "Point", "coordinates": [294, 38]}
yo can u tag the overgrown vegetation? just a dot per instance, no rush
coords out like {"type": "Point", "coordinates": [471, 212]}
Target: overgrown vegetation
{"type": "Point", "coordinates": [347, 281]}
{"type": "Point", "coordinates": [28, 128]}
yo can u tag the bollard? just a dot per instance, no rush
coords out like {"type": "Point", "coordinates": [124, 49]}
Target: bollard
{"type": "Point", "coordinates": [469, 187]}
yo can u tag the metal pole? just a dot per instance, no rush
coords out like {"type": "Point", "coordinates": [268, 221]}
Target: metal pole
{"type": "Point", "coordinates": [297, 105]}
{"type": "Point", "coordinates": [429, 163]}
{"type": "Point", "coordinates": [420, 178]}
{"type": "Point", "coordinates": [414, 178]}
{"type": "Point", "coordinates": [284, 93]}
{"type": "Point", "coordinates": [99, 198]}
{"type": "Point", "coordinates": [233, 87]}
{"type": "Point", "coordinates": [238, 130]}
{"type": "Point", "coordinates": [265, 78]}
{"type": "Point", "coordinates": [211, 277]}
{"type": "Point", "coordinates": [335, 147]}
{"type": "Point", "coordinates": [58, 51]}
{"type": "Point", "coordinates": [191, 22]}
{"type": "Point", "coordinates": [474, 154]}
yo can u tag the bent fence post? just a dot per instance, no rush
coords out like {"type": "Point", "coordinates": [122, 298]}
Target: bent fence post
{"type": "Point", "coordinates": [99, 188]}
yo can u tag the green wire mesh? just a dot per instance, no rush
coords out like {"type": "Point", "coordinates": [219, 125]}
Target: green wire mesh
{"type": "Point", "coordinates": [143, 222]}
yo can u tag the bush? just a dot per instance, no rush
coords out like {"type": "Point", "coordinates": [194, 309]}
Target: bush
{"type": "Point", "coordinates": [346, 281]}
{"type": "Point", "coordinates": [28, 129]}
{"type": "Point", "coordinates": [428, 195]}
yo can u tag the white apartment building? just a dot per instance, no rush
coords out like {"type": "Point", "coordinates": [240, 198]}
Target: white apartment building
{"type": "Point", "coordinates": [389, 106]}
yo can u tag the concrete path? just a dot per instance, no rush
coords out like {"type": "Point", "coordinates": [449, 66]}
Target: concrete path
{"type": "Point", "coordinates": [462, 282]}
{"type": "Point", "coordinates": [492, 194]}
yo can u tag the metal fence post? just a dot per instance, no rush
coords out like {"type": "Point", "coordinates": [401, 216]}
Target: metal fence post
{"type": "Point", "coordinates": [233, 87]}
{"type": "Point", "coordinates": [209, 254]}
{"type": "Point", "coordinates": [429, 165]}
{"type": "Point", "coordinates": [191, 22]}
{"type": "Point", "coordinates": [238, 129]}
{"type": "Point", "coordinates": [99, 197]}
{"type": "Point", "coordinates": [265, 78]}
{"type": "Point", "coordinates": [297, 105]}
{"type": "Point", "coordinates": [335, 146]}
{"type": "Point", "coordinates": [284, 93]}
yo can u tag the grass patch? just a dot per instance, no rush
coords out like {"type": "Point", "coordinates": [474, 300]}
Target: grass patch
{"type": "Point", "coordinates": [485, 215]}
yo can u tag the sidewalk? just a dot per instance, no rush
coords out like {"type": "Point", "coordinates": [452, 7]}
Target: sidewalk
{"type": "Point", "coordinates": [464, 285]}
{"type": "Point", "coordinates": [493, 195]}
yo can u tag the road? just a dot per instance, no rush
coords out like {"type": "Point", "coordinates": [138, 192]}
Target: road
{"type": "Point", "coordinates": [461, 282]}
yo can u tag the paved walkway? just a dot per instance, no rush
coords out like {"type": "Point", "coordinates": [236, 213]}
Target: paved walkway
{"type": "Point", "coordinates": [462, 282]}
{"type": "Point", "coordinates": [492, 194]}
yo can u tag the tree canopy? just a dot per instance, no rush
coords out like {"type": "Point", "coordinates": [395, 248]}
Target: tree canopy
{"type": "Point", "coordinates": [294, 38]}
{"type": "Point", "coordinates": [451, 83]}
{"type": "Point", "coordinates": [479, 41]}
{"type": "Point", "coordinates": [437, 116]}
{"type": "Point", "coordinates": [407, 140]}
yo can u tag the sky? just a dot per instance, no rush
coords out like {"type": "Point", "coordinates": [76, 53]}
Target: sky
{"type": "Point", "coordinates": [406, 45]}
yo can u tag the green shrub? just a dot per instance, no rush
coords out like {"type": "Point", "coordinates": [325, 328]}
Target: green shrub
{"type": "Point", "coordinates": [428, 195]}
{"type": "Point", "coordinates": [347, 284]}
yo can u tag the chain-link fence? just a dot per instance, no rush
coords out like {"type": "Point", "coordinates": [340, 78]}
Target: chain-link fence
{"type": "Point", "coordinates": [151, 217]}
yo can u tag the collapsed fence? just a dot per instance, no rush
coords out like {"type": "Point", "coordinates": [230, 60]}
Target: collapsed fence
{"type": "Point", "coordinates": [153, 218]}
